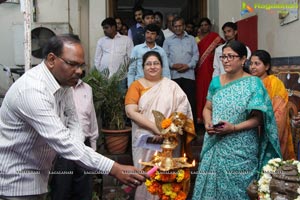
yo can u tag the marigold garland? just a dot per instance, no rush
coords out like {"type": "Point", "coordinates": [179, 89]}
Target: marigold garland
{"type": "Point", "coordinates": [168, 185]}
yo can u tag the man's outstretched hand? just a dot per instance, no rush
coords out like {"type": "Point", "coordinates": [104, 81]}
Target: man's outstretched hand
{"type": "Point", "coordinates": [128, 175]}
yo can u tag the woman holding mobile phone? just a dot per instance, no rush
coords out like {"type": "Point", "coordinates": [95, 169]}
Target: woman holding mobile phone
{"type": "Point", "coordinates": [234, 151]}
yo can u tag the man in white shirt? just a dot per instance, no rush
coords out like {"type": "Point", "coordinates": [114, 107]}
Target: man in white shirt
{"type": "Point", "coordinates": [113, 49]}
{"type": "Point", "coordinates": [169, 30]}
{"type": "Point", "coordinates": [79, 184]}
{"type": "Point", "coordinates": [230, 33]}
{"type": "Point", "coordinates": [38, 119]}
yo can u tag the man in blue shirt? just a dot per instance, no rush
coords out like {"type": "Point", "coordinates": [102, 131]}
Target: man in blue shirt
{"type": "Point", "coordinates": [135, 70]}
{"type": "Point", "coordinates": [183, 55]}
{"type": "Point", "coordinates": [148, 18]}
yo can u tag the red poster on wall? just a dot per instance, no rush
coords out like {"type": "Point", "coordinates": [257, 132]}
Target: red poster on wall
{"type": "Point", "coordinates": [247, 32]}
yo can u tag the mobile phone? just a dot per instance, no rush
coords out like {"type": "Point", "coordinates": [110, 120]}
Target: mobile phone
{"type": "Point", "coordinates": [149, 140]}
{"type": "Point", "coordinates": [218, 125]}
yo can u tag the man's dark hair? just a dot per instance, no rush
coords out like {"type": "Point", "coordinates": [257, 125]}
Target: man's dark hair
{"type": "Point", "coordinates": [109, 21]}
{"type": "Point", "coordinates": [160, 15]}
{"type": "Point", "coordinates": [152, 28]}
{"type": "Point", "coordinates": [137, 8]}
{"type": "Point", "coordinates": [56, 43]}
{"type": "Point", "coordinates": [178, 18]}
{"type": "Point", "coordinates": [230, 25]}
{"type": "Point", "coordinates": [147, 12]}
{"type": "Point", "coordinates": [189, 22]}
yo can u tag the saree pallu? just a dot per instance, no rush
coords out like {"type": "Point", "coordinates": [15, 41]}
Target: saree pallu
{"type": "Point", "coordinates": [228, 163]}
{"type": "Point", "coordinates": [279, 98]}
{"type": "Point", "coordinates": [166, 97]}
{"type": "Point", "coordinates": [205, 69]}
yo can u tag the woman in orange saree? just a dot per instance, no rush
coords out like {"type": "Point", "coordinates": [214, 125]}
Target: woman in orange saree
{"type": "Point", "coordinates": [260, 66]}
{"type": "Point", "coordinates": [154, 92]}
{"type": "Point", "coordinates": [204, 70]}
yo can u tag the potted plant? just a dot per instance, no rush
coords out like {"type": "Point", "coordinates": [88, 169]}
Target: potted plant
{"type": "Point", "coordinates": [108, 96]}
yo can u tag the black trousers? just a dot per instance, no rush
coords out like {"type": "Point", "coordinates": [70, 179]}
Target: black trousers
{"type": "Point", "coordinates": [70, 181]}
{"type": "Point", "coordinates": [189, 88]}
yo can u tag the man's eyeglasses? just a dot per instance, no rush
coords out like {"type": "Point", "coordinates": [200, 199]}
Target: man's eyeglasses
{"type": "Point", "coordinates": [74, 65]}
{"type": "Point", "coordinates": [229, 57]}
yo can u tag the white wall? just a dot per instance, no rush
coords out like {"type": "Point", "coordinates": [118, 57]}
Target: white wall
{"type": "Point", "coordinates": [53, 10]}
{"type": "Point", "coordinates": [280, 41]}
{"type": "Point", "coordinates": [12, 23]}
{"type": "Point", "coordinates": [9, 15]}
{"type": "Point", "coordinates": [213, 13]}
{"type": "Point", "coordinates": [97, 14]}
{"type": "Point", "coordinates": [84, 16]}
{"type": "Point", "coordinates": [229, 10]}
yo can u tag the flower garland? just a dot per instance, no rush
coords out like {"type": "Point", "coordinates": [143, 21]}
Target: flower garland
{"type": "Point", "coordinates": [169, 185]}
{"type": "Point", "coordinates": [265, 179]}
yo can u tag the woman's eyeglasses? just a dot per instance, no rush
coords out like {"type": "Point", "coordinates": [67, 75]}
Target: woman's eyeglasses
{"type": "Point", "coordinates": [152, 63]}
{"type": "Point", "coordinates": [229, 57]}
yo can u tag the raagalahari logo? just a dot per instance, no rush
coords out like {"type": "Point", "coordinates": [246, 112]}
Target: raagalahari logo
{"type": "Point", "coordinates": [246, 8]}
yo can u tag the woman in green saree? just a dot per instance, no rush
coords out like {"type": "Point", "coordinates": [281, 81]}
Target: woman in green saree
{"type": "Point", "coordinates": [235, 148]}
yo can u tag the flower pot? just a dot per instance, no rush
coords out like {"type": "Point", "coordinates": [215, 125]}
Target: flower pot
{"type": "Point", "coordinates": [116, 141]}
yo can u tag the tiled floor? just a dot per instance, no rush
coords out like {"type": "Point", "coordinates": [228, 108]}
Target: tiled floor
{"type": "Point", "coordinates": [112, 185]}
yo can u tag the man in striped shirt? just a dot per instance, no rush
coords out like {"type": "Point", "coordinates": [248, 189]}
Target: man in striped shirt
{"type": "Point", "coordinates": [38, 119]}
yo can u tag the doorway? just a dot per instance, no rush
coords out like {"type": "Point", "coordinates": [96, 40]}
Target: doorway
{"type": "Point", "coordinates": [191, 10]}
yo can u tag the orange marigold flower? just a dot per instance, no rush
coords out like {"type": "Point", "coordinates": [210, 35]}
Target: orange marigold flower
{"type": "Point", "coordinates": [176, 187]}
{"type": "Point", "coordinates": [173, 177]}
{"type": "Point", "coordinates": [156, 184]}
{"type": "Point", "coordinates": [167, 178]}
{"type": "Point", "coordinates": [152, 176]}
{"type": "Point", "coordinates": [164, 177]}
{"type": "Point", "coordinates": [181, 196]}
{"type": "Point", "coordinates": [165, 197]}
{"type": "Point", "coordinates": [166, 123]}
{"type": "Point", "coordinates": [152, 189]}
{"type": "Point", "coordinates": [187, 174]}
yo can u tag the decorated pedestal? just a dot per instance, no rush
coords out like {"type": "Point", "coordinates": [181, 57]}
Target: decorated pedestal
{"type": "Point", "coordinates": [169, 177]}
{"type": "Point", "coordinates": [280, 180]}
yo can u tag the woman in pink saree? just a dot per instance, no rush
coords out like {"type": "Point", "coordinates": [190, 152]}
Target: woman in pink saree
{"type": "Point", "coordinates": [153, 92]}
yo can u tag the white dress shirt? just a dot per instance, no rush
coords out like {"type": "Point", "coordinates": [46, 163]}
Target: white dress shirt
{"type": "Point", "coordinates": [111, 53]}
{"type": "Point", "coordinates": [167, 33]}
{"type": "Point", "coordinates": [83, 99]}
{"type": "Point", "coordinates": [38, 119]}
